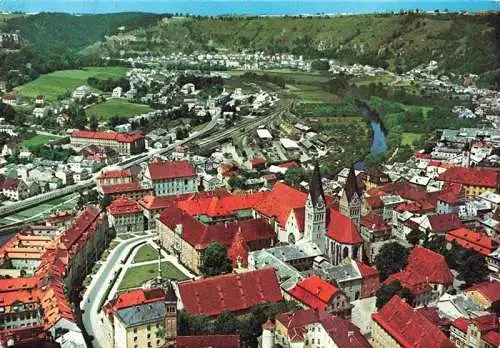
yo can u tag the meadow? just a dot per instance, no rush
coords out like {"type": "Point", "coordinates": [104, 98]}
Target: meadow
{"type": "Point", "coordinates": [59, 83]}
{"type": "Point", "coordinates": [117, 107]}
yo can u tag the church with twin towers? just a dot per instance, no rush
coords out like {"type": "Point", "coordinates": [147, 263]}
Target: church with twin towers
{"type": "Point", "coordinates": [335, 232]}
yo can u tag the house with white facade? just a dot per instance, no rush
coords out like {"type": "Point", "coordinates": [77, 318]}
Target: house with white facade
{"type": "Point", "coordinates": [171, 177]}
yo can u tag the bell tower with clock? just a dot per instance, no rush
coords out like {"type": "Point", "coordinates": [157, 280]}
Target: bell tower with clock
{"type": "Point", "coordinates": [315, 211]}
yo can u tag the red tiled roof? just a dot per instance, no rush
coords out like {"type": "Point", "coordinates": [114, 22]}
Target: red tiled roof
{"type": "Point", "coordinates": [413, 281]}
{"type": "Point", "coordinates": [200, 235]}
{"type": "Point", "coordinates": [431, 265]}
{"type": "Point", "coordinates": [433, 315]}
{"type": "Point", "coordinates": [343, 333]}
{"type": "Point", "coordinates": [314, 292]}
{"type": "Point", "coordinates": [134, 298]}
{"type": "Point", "coordinates": [300, 217]}
{"type": "Point", "coordinates": [289, 165]}
{"type": "Point", "coordinates": [471, 176]}
{"type": "Point", "coordinates": [171, 170]}
{"type": "Point", "coordinates": [28, 336]}
{"type": "Point", "coordinates": [10, 184]}
{"type": "Point", "coordinates": [9, 97]}
{"type": "Point", "coordinates": [280, 202]}
{"type": "Point", "coordinates": [115, 174]}
{"type": "Point", "coordinates": [230, 292]}
{"type": "Point", "coordinates": [366, 271]}
{"type": "Point", "coordinates": [374, 202]}
{"type": "Point", "coordinates": [342, 229]}
{"type": "Point", "coordinates": [256, 162]}
{"type": "Point", "coordinates": [238, 252]}
{"type": "Point", "coordinates": [445, 222]}
{"type": "Point", "coordinates": [409, 327]}
{"type": "Point", "coordinates": [208, 341]}
{"type": "Point", "coordinates": [221, 206]}
{"type": "Point", "coordinates": [124, 206]}
{"type": "Point", "coordinates": [374, 222]}
{"type": "Point", "coordinates": [469, 239]}
{"type": "Point", "coordinates": [154, 203]}
{"type": "Point", "coordinates": [121, 188]}
{"type": "Point", "coordinates": [488, 326]}
{"type": "Point", "coordinates": [490, 290]}
{"type": "Point", "coordinates": [451, 198]}
{"type": "Point", "coordinates": [416, 207]}
{"type": "Point", "coordinates": [493, 338]}
{"type": "Point", "coordinates": [120, 137]}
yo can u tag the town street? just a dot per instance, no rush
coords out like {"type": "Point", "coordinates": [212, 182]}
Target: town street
{"type": "Point", "coordinates": [99, 286]}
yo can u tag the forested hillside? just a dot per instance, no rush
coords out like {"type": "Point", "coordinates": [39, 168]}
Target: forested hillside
{"type": "Point", "coordinates": [463, 43]}
{"type": "Point", "coordinates": [460, 43]}
{"type": "Point", "coordinates": [53, 41]}
{"type": "Point", "coordinates": [75, 32]}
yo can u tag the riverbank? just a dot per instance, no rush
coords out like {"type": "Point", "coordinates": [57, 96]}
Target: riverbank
{"type": "Point", "coordinates": [378, 134]}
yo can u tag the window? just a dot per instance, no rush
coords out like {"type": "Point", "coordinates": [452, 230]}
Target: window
{"type": "Point", "coordinates": [135, 339]}
{"type": "Point", "coordinates": [135, 330]}
{"type": "Point", "coordinates": [149, 336]}
{"type": "Point", "coordinates": [312, 341]}
{"type": "Point", "coordinates": [149, 327]}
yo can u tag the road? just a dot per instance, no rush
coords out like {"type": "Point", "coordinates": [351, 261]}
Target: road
{"type": "Point", "coordinates": [99, 286]}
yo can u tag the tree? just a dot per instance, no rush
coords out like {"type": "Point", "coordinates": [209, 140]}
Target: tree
{"type": "Point", "coordinates": [237, 182]}
{"type": "Point", "coordinates": [321, 65]}
{"type": "Point", "coordinates": [93, 123]}
{"type": "Point", "coordinates": [106, 201]}
{"type": "Point", "coordinates": [77, 117]}
{"type": "Point", "coordinates": [473, 269]}
{"type": "Point", "coordinates": [294, 176]}
{"type": "Point", "coordinates": [415, 236]}
{"type": "Point", "coordinates": [435, 243]}
{"type": "Point", "coordinates": [387, 291]}
{"type": "Point", "coordinates": [391, 258]}
{"type": "Point", "coordinates": [215, 260]}
{"type": "Point", "coordinates": [226, 323]}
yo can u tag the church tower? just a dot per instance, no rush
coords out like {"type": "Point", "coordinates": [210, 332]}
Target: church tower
{"type": "Point", "coordinates": [350, 202]}
{"type": "Point", "coordinates": [315, 211]}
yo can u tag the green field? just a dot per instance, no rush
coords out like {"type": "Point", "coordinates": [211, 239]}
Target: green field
{"type": "Point", "coordinates": [58, 83]}
{"type": "Point", "coordinates": [118, 107]}
{"type": "Point", "coordinates": [38, 140]}
{"type": "Point", "coordinates": [138, 275]}
{"type": "Point", "coordinates": [146, 253]}
{"type": "Point", "coordinates": [409, 138]}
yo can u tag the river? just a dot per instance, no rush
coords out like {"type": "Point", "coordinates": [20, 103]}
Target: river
{"type": "Point", "coordinates": [379, 141]}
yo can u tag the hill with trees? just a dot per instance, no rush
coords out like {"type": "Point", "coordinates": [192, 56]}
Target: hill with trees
{"type": "Point", "coordinates": [459, 42]}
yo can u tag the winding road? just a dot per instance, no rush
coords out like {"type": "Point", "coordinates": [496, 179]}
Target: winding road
{"type": "Point", "coordinates": [98, 288]}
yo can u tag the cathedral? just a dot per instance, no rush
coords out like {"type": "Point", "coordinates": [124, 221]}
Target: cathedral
{"type": "Point", "coordinates": [335, 232]}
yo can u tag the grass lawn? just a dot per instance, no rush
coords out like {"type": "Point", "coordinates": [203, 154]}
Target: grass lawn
{"type": "Point", "coordinates": [312, 94]}
{"type": "Point", "coordinates": [409, 138]}
{"type": "Point", "coordinates": [119, 107]}
{"type": "Point", "coordinates": [60, 82]}
{"type": "Point", "coordinates": [146, 253]}
{"type": "Point", "coordinates": [384, 79]}
{"type": "Point", "coordinates": [125, 236]}
{"type": "Point", "coordinates": [38, 140]}
{"type": "Point", "coordinates": [136, 276]}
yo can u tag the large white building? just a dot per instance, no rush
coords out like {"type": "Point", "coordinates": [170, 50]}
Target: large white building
{"type": "Point", "coordinates": [82, 92]}
{"type": "Point", "coordinates": [171, 178]}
